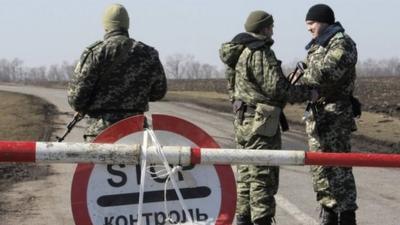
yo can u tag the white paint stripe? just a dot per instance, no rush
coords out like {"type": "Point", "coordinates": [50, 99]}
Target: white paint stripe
{"type": "Point", "coordinates": [295, 212]}
{"type": "Point", "coordinates": [252, 157]}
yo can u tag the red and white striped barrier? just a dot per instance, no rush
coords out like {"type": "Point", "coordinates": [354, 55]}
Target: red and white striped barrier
{"type": "Point", "coordinates": [56, 152]}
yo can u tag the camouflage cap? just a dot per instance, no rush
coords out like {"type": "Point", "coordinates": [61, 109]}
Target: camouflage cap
{"type": "Point", "coordinates": [115, 17]}
{"type": "Point", "coordinates": [258, 20]}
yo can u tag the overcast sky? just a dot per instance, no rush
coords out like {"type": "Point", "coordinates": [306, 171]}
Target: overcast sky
{"type": "Point", "coordinates": [44, 32]}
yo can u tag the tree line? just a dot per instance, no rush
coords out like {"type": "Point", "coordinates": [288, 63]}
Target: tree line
{"type": "Point", "coordinates": [177, 67]}
{"type": "Point", "coordinates": [15, 71]}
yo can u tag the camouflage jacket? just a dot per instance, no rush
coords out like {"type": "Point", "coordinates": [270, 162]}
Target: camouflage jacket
{"type": "Point", "coordinates": [331, 64]}
{"type": "Point", "coordinates": [116, 75]}
{"type": "Point", "coordinates": [254, 73]}
{"type": "Point", "coordinates": [331, 68]}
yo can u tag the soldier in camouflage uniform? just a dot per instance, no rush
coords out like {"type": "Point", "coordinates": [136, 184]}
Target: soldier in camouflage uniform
{"type": "Point", "coordinates": [331, 61]}
{"type": "Point", "coordinates": [116, 77]}
{"type": "Point", "coordinates": [259, 92]}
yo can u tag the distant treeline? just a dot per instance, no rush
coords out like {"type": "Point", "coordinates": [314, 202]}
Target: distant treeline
{"type": "Point", "coordinates": [15, 71]}
{"type": "Point", "coordinates": [177, 67]}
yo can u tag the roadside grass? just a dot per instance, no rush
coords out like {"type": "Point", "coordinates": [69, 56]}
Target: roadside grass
{"type": "Point", "coordinates": [376, 132]}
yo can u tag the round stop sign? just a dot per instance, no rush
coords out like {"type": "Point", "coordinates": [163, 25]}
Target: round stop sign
{"type": "Point", "coordinates": [109, 194]}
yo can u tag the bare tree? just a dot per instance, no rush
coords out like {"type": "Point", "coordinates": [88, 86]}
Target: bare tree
{"type": "Point", "coordinates": [382, 67]}
{"type": "Point", "coordinates": [16, 69]}
{"type": "Point", "coordinates": [192, 68]}
{"type": "Point", "coordinates": [67, 70]}
{"type": "Point", "coordinates": [173, 66]}
{"type": "Point", "coordinates": [4, 71]}
{"type": "Point", "coordinates": [53, 73]}
{"type": "Point", "coordinates": [10, 70]}
{"type": "Point", "coordinates": [180, 66]}
{"type": "Point", "coordinates": [37, 74]}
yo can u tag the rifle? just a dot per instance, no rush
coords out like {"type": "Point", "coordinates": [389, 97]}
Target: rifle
{"type": "Point", "coordinates": [298, 72]}
{"type": "Point", "coordinates": [312, 110]}
{"type": "Point", "coordinates": [77, 117]}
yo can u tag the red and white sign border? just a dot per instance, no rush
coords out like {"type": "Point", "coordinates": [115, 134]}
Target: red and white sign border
{"type": "Point", "coordinates": [160, 122]}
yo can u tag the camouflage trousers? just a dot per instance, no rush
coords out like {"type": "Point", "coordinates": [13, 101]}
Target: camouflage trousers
{"type": "Point", "coordinates": [96, 125]}
{"type": "Point", "coordinates": [256, 185]}
{"type": "Point", "coordinates": [334, 186]}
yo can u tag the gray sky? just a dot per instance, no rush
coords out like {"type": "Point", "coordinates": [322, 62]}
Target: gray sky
{"type": "Point", "coordinates": [44, 32]}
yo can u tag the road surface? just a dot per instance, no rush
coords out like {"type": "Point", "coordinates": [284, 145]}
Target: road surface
{"type": "Point", "coordinates": [378, 188]}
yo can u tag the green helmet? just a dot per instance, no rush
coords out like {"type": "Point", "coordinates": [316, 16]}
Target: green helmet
{"type": "Point", "coordinates": [115, 18]}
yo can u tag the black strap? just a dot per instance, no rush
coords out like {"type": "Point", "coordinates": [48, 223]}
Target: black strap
{"type": "Point", "coordinates": [283, 121]}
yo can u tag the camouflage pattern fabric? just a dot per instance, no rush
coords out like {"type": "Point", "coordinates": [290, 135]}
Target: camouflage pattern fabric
{"type": "Point", "coordinates": [256, 185]}
{"type": "Point", "coordinates": [331, 64]}
{"type": "Point", "coordinates": [255, 77]}
{"type": "Point", "coordinates": [115, 78]}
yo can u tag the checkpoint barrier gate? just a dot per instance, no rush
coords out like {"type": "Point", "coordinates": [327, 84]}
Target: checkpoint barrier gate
{"type": "Point", "coordinates": [109, 185]}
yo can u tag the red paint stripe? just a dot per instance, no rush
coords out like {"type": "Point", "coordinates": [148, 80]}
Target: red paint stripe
{"type": "Point", "coordinates": [15, 151]}
{"type": "Point", "coordinates": [185, 129]}
{"type": "Point", "coordinates": [195, 156]}
{"type": "Point", "coordinates": [83, 172]}
{"type": "Point", "coordinates": [79, 187]}
{"type": "Point", "coordinates": [120, 129]}
{"type": "Point", "coordinates": [352, 159]}
{"type": "Point", "coordinates": [201, 139]}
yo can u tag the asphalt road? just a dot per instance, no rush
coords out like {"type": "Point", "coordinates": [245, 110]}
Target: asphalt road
{"type": "Point", "coordinates": [378, 188]}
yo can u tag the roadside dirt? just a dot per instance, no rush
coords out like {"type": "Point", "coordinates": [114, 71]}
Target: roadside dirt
{"type": "Point", "coordinates": [22, 117]}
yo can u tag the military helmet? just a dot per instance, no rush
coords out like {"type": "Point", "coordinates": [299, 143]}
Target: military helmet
{"type": "Point", "coordinates": [115, 18]}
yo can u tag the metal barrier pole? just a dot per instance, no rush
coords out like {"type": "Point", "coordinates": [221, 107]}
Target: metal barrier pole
{"type": "Point", "coordinates": [56, 152]}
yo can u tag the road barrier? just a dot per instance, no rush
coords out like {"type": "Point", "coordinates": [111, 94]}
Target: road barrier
{"type": "Point", "coordinates": [55, 152]}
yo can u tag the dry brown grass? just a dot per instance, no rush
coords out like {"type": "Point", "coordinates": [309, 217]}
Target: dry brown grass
{"type": "Point", "coordinates": [24, 117]}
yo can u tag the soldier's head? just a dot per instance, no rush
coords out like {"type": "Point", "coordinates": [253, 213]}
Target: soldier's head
{"type": "Point", "coordinates": [318, 18]}
{"type": "Point", "coordinates": [260, 22]}
{"type": "Point", "coordinates": [115, 17]}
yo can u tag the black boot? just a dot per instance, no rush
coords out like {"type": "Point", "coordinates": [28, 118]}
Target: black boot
{"type": "Point", "coordinates": [329, 217]}
{"type": "Point", "coordinates": [243, 220]}
{"type": "Point", "coordinates": [264, 221]}
{"type": "Point", "coordinates": [347, 218]}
